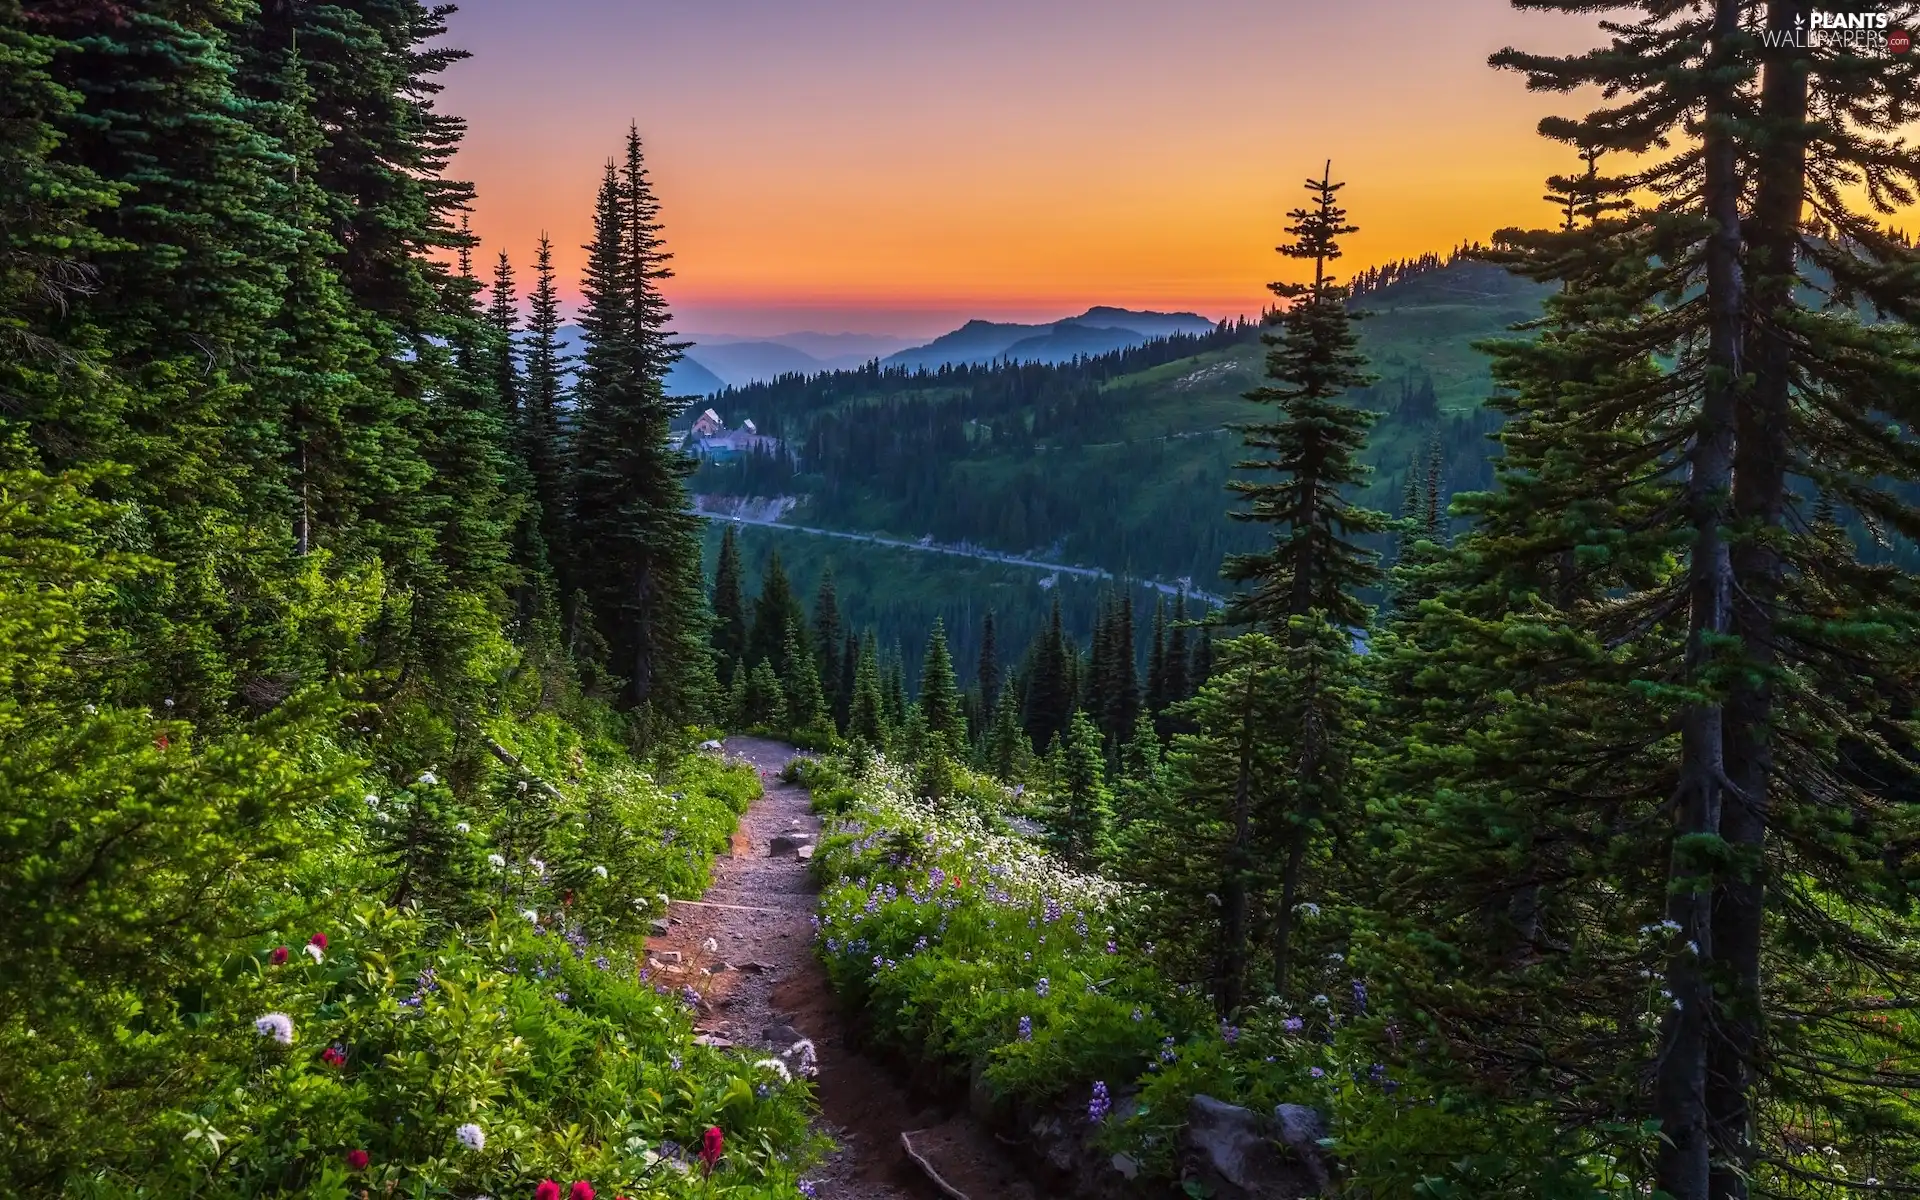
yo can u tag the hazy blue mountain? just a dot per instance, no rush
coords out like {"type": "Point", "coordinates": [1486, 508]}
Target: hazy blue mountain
{"type": "Point", "coordinates": [1095, 331]}
{"type": "Point", "coordinates": [832, 349]}
{"type": "Point", "coordinates": [1069, 338]}
{"type": "Point", "coordinates": [741, 363]}
{"type": "Point", "coordinates": [688, 377]}
{"type": "Point", "coordinates": [1152, 324]}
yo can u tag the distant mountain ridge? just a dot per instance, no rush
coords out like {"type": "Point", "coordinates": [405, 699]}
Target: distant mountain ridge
{"type": "Point", "coordinates": [1097, 331]}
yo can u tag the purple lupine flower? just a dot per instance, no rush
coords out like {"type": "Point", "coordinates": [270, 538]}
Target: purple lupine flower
{"type": "Point", "coordinates": [1293, 1024]}
{"type": "Point", "coordinates": [1360, 996]}
{"type": "Point", "coordinates": [808, 1188]}
{"type": "Point", "coordinates": [1099, 1105]}
{"type": "Point", "coordinates": [1113, 947]}
{"type": "Point", "coordinates": [1041, 987]}
{"type": "Point", "coordinates": [1138, 1015]}
{"type": "Point", "coordinates": [1166, 1049]}
{"type": "Point", "coordinates": [1026, 1029]}
{"type": "Point", "coordinates": [689, 997]}
{"type": "Point", "coordinates": [1229, 1033]}
{"type": "Point", "coordinates": [1316, 1072]}
{"type": "Point", "coordinates": [1377, 1073]}
{"type": "Point", "coordinates": [562, 997]}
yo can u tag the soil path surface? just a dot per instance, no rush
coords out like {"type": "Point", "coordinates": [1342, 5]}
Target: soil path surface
{"type": "Point", "coordinates": [767, 990]}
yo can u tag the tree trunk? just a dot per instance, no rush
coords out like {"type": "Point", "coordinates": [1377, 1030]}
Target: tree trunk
{"type": "Point", "coordinates": [1759, 501]}
{"type": "Point", "coordinates": [1680, 1081]}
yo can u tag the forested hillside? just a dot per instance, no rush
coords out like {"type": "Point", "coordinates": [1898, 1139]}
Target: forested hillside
{"type": "Point", "coordinates": [1117, 460]}
{"type": "Point", "coordinates": [349, 670]}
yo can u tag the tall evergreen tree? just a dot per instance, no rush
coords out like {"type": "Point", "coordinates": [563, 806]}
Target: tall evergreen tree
{"type": "Point", "coordinates": [1079, 812]}
{"type": "Point", "coordinates": [543, 444]}
{"type": "Point", "coordinates": [828, 633]}
{"type": "Point", "coordinates": [1727, 658]}
{"type": "Point", "coordinates": [729, 606]}
{"type": "Point", "coordinates": [940, 693]}
{"type": "Point", "coordinates": [867, 717]}
{"type": "Point", "coordinates": [1156, 699]}
{"type": "Point", "coordinates": [1316, 560]}
{"type": "Point", "coordinates": [639, 546]}
{"type": "Point", "coordinates": [805, 704]}
{"type": "Point", "coordinates": [1050, 688]}
{"type": "Point", "coordinates": [987, 669]}
{"type": "Point", "coordinates": [773, 610]}
{"type": "Point", "coordinates": [1180, 681]}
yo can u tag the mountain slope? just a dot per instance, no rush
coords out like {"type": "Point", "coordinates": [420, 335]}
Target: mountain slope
{"type": "Point", "coordinates": [1121, 461]}
{"type": "Point", "coordinates": [987, 341]}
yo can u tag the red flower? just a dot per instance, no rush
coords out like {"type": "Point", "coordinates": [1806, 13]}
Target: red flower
{"type": "Point", "coordinates": [162, 742]}
{"type": "Point", "coordinates": [712, 1147]}
{"type": "Point", "coordinates": [332, 1057]}
{"type": "Point", "coordinates": [318, 939]}
{"type": "Point", "coordinates": [581, 1190]}
{"type": "Point", "coordinates": [548, 1190]}
{"type": "Point", "coordinates": [568, 899]}
{"type": "Point", "coordinates": [278, 956]}
{"type": "Point", "coordinates": [356, 1160]}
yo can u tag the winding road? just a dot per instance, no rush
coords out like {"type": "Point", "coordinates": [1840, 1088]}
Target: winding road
{"type": "Point", "coordinates": [964, 551]}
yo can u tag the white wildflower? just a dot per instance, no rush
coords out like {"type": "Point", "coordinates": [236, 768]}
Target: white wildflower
{"type": "Point", "coordinates": [531, 915]}
{"type": "Point", "coordinates": [539, 868]}
{"type": "Point", "coordinates": [600, 871]}
{"type": "Point", "coordinates": [1321, 1000]}
{"type": "Point", "coordinates": [315, 953]}
{"type": "Point", "coordinates": [472, 1137]}
{"type": "Point", "coordinates": [373, 801]}
{"type": "Point", "coordinates": [463, 827]}
{"type": "Point", "coordinates": [711, 946]}
{"type": "Point", "coordinates": [1308, 907]}
{"type": "Point", "coordinates": [495, 861]}
{"type": "Point", "coordinates": [429, 778]}
{"type": "Point", "coordinates": [777, 1067]}
{"type": "Point", "coordinates": [276, 1025]}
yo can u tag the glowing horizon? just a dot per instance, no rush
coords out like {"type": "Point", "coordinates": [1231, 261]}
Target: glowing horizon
{"type": "Point", "coordinates": [877, 167]}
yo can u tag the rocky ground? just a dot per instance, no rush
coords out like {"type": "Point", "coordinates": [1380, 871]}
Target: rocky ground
{"type": "Point", "coordinates": [766, 990]}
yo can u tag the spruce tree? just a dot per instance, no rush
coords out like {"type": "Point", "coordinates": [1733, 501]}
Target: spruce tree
{"type": "Point", "coordinates": [1008, 752]}
{"type": "Point", "coordinates": [1078, 810]}
{"type": "Point", "coordinates": [543, 444]}
{"type": "Point", "coordinates": [1156, 698]}
{"type": "Point", "coordinates": [729, 606]}
{"type": "Point", "coordinates": [1729, 652]}
{"type": "Point", "coordinates": [805, 705]}
{"type": "Point", "coordinates": [987, 669]}
{"type": "Point", "coordinates": [639, 553]}
{"type": "Point", "coordinates": [940, 693]}
{"type": "Point", "coordinates": [1179, 681]}
{"type": "Point", "coordinates": [849, 679]}
{"type": "Point", "coordinates": [893, 688]}
{"type": "Point", "coordinates": [1049, 693]}
{"type": "Point", "coordinates": [867, 718]}
{"type": "Point", "coordinates": [773, 610]}
{"type": "Point", "coordinates": [828, 633]}
{"type": "Point", "coordinates": [1316, 561]}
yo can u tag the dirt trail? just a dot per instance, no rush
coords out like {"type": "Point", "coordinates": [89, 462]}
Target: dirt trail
{"type": "Point", "coordinates": [767, 989]}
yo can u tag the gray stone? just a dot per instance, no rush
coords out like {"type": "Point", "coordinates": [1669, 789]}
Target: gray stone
{"type": "Point", "coordinates": [1301, 1129]}
{"type": "Point", "coordinates": [782, 1035]}
{"type": "Point", "coordinates": [1125, 1165]}
{"type": "Point", "coordinates": [1230, 1150]}
{"type": "Point", "coordinates": [712, 1039]}
{"type": "Point", "coordinates": [804, 854]}
{"type": "Point", "coordinates": [784, 844]}
{"type": "Point", "coordinates": [710, 746]}
{"type": "Point", "coordinates": [667, 956]}
{"type": "Point", "coordinates": [659, 928]}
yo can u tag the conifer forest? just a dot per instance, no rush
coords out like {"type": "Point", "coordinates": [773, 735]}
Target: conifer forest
{"type": "Point", "coordinates": [1467, 746]}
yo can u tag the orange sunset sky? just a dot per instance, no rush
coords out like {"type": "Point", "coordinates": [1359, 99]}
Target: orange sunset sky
{"type": "Point", "coordinates": [896, 166]}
